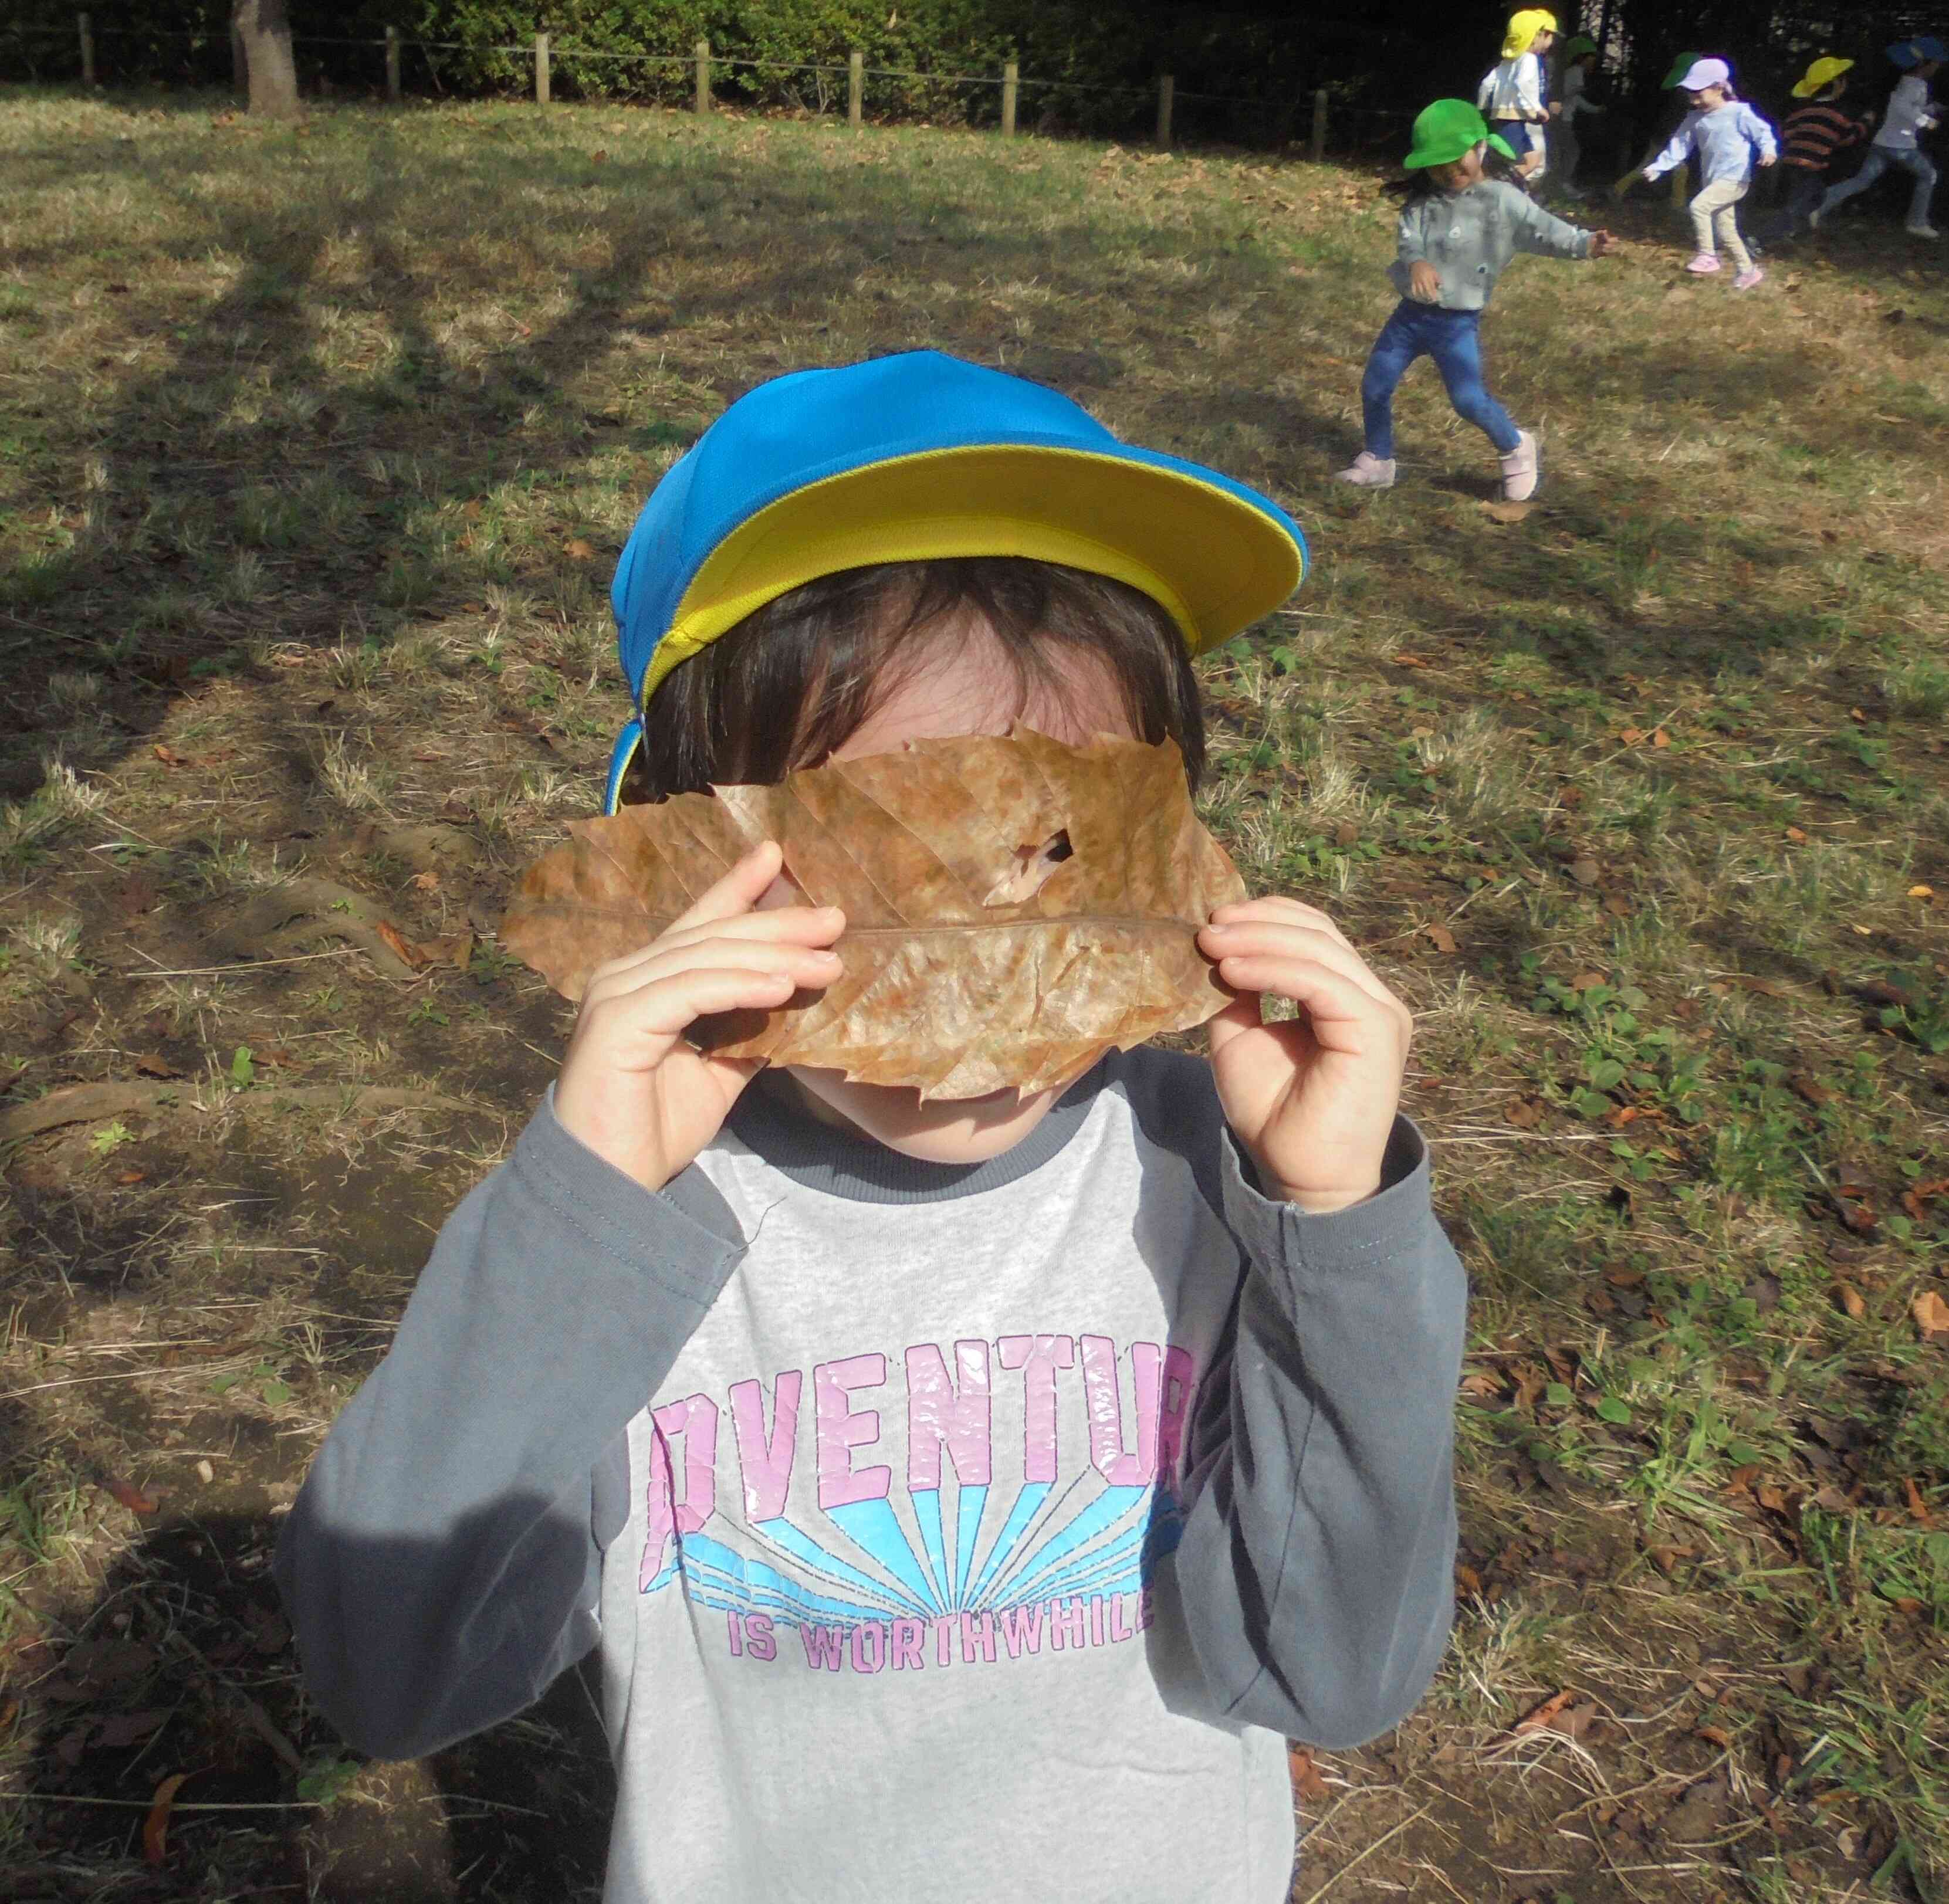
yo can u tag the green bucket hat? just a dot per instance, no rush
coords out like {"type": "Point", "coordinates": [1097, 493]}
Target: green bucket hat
{"type": "Point", "coordinates": [1680, 66]}
{"type": "Point", "coordinates": [1448, 128]}
{"type": "Point", "coordinates": [1578, 47]}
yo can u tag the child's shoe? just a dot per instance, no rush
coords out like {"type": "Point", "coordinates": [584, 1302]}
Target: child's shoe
{"type": "Point", "coordinates": [1703, 264]}
{"type": "Point", "coordinates": [1521, 469]}
{"type": "Point", "coordinates": [1748, 278]}
{"type": "Point", "coordinates": [1814, 220]}
{"type": "Point", "coordinates": [1369, 471]}
{"type": "Point", "coordinates": [1922, 230]}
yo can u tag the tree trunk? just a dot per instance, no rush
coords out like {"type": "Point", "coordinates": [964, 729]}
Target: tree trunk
{"type": "Point", "coordinates": [263, 30]}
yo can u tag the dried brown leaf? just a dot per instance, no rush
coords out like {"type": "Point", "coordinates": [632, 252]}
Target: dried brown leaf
{"type": "Point", "coordinates": [1015, 907]}
{"type": "Point", "coordinates": [156, 1826]}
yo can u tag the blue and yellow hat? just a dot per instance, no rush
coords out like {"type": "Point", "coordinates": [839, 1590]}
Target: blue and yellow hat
{"type": "Point", "coordinates": [918, 457]}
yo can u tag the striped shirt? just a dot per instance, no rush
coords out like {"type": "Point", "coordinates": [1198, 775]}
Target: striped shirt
{"type": "Point", "coordinates": [1813, 134]}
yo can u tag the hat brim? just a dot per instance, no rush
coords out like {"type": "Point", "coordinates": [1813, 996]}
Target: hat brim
{"type": "Point", "coordinates": [1418, 161]}
{"type": "Point", "coordinates": [1216, 559]}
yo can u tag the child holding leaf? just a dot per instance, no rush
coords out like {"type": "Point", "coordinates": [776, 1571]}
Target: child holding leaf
{"type": "Point", "coordinates": [908, 1415]}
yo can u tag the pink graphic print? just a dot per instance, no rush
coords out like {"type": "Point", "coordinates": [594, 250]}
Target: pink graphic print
{"type": "Point", "coordinates": [938, 1418]}
{"type": "Point", "coordinates": [1038, 1357]}
{"type": "Point", "coordinates": [694, 1420]}
{"type": "Point", "coordinates": [766, 1461]}
{"type": "Point", "coordinates": [1107, 1451]}
{"type": "Point", "coordinates": [840, 1431]}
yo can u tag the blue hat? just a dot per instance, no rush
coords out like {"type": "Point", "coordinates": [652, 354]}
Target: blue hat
{"type": "Point", "coordinates": [918, 457]}
{"type": "Point", "coordinates": [1906, 53]}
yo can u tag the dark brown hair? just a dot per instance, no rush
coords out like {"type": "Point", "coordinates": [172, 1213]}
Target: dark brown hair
{"type": "Point", "coordinates": [793, 679]}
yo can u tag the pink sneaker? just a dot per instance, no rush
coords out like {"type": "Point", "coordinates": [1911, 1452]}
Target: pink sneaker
{"type": "Point", "coordinates": [1748, 278]}
{"type": "Point", "coordinates": [1369, 471]}
{"type": "Point", "coordinates": [1703, 264]}
{"type": "Point", "coordinates": [1521, 468]}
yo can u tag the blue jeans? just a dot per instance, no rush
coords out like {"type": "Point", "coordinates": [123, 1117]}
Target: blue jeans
{"type": "Point", "coordinates": [1878, 161]}
{"type": "Point", "coordinates": [1804, 189]}
{"type": "Point", "coordinates": [1453, 339]}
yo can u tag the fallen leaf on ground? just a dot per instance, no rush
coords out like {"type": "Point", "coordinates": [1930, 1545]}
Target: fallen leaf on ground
{"type": "Point", "coordinates": [1015, 907]}
{"type": "Point", "coordinates": [1809, 1090]}
{"type": "Point", "coordinates": [1796, 836]}
{"type": "Point", "coordinates": [1769, 988]}
{"type": "Point", "coordinates": [1525, 1112]}
{"type": "Point", "coordinates": [122, 1730]}
{"type": "Point", "coordinates": [1631, 736]}
{"type": "Point", "coordinates": [1932, 1315]}
{"type": "Point", "coordinates": [1306, 1779]}
{"type": "Point", "coordinates": [396, 941]}
{"type": "Point", "coordinates": [169, 756]}
{"type": "Point", "coordinates": [454, 949]}
{"type": "Point", "coordinates": [1507, 513]}
{"type": "Point", "coordinates": [1560, 1712]}
{"type": "Point", "coordinates": [1410, 661]}
{"type": "Point", "coordinates": [1850, 1298]}
{"type": "Point", "coordinates": [1922, 892]}
{"type": "Point", "coordinates": [579, 550]}
{"type": "Point", "coordinates": [156, 1826]}
{"type": "Point", "coordinates": [152, 1064]}
{"type": "Point", "coordinates": [1586, 871]}
{"type": "Point", "coordinates": [1438, 936]}
{"type": "Point", "coordinates": [130, 1496]}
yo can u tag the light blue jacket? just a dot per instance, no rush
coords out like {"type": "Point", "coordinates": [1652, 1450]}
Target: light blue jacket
{"type": "Point", "coordinates": [1725, 139]}
{"type": "Point", "coordinates": [1468, 237]}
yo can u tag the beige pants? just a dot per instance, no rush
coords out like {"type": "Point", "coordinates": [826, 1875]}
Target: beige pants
{"type": "Point", "coordinates": [1715, 221]}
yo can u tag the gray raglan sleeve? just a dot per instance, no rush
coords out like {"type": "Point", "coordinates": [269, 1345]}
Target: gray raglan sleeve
{"type": "Point", "coordinates": [1316, 1565]}
{"type": "Point", "coordinates": [441, 1564]}
{"type": "Point", "coordinates": [1544, 233]}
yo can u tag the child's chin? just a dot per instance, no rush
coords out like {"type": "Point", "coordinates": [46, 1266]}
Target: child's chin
{"type": "Point", "coordinates": [940, 1130]}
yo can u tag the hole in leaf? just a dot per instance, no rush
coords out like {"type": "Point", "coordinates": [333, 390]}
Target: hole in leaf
{"type": "Point", "coordinates": [1030, 870]}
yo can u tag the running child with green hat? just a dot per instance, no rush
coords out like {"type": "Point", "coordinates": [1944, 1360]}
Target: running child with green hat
{"type": "Point", "coordinates": [1459, 229]}
{"type": "Point", "coordinates": [894, 1448]}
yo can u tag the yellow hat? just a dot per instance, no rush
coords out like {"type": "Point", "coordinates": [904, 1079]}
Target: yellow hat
{"type": "Point", "coordinates": [1820, 74]}
{"type": "Point", "coordinates": [1524, 28]}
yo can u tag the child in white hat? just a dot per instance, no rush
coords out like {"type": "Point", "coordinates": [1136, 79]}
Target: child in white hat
{"type": "Point", "coordinates": [1727, 134]}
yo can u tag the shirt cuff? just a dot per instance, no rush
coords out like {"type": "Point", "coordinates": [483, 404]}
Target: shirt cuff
{"type": "Point", "coordinates": [1379, 1230]}
{"type": "Point", "coordinates": [684, 1235]}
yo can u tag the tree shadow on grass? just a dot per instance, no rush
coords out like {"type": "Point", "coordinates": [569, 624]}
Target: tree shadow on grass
{"type": "Point", "coordinates": [271, 479]}
{"type": "Point", "coordinates": [183, 1664]}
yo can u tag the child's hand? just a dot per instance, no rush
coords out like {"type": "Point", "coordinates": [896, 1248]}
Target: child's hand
{"type": "Point", "coordinates": [1311, 1099]}
{"type": "Point", "coordinates": [1603, 245]}
{"type": "Point", "coordinates": [631, 1088]}
{"type": "Point", "coordinates": [1423, 282]}
{"type": "Point", "coordinates": [1769, 159]}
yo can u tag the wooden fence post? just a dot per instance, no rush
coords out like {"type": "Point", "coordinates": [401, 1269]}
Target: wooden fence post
{"type": "Point", "coordinates": [541, 69]}
{"type": "Point", "coordinates": [1167, 92]}
{"type": "Point", "coordinates": [856, 88]}
{"type": "Point", "coordinates": [702, 52]}
{"type": "Point", "coordinates": [392, 64]}
{"type": "Point", "coordinates": [87, 49]}
{"type": "Point", "coordinates": [1011, 74]}
{"type": "Point", "coordinates": [1319, 125]}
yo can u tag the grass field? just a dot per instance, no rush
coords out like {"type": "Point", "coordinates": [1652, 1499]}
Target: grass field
{"type": "Point", "coordinates": [316, 447]}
